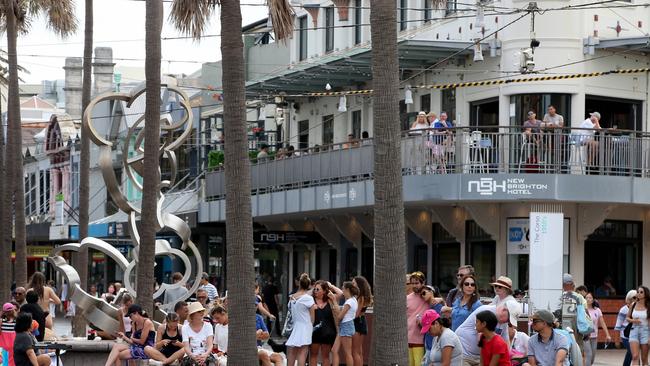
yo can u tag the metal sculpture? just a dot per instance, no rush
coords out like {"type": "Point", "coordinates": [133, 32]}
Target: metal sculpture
{"type": "Point", "coordinates": [97, 311]}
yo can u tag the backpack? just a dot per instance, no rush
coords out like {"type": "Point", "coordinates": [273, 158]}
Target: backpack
{"type": "Point", "coordinates": [584, 322]}
{"type": "Point", "coordinates": [288, 321]}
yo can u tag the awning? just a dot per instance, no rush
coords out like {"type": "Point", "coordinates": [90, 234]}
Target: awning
{"type": "Point", "coordinates": [641, 44]}
{"type": "Point", "coordinates": [353, 66]}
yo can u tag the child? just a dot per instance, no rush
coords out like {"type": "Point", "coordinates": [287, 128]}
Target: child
{"type": "Point", "coordinates": [346, 317]}
{"type": "Point", "coordinates": [494, 350]}
{"type": "Point", "coordinates": [7, 330]}
{"type": "Point", "coordinates": [24, 354]}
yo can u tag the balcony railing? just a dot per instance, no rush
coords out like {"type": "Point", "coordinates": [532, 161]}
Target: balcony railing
{"type": "Point", "coordinates": [462, 150]}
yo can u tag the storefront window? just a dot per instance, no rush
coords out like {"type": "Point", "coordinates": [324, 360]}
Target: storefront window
{"type": "Point", "coordinates": [446, 258]}
{"type": "Point", "coordinates": [481, 253]}
{"type": "Point", "coordinates": [613, 256]}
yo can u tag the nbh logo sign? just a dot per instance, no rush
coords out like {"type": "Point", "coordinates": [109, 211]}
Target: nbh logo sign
{"type": "Point", "coordinates": [486, 186]}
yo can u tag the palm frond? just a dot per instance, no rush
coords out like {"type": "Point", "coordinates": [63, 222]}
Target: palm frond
{"type": "Point", "coordinates": [281, 14]}
{"type": "Point", "coordinates": [60, 16]}
{"type": "Point", "coordinates": [191, 17]}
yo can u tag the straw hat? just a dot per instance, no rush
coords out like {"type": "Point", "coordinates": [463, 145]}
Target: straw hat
{"type": "Point", "coordinates": [195, 307]}
{"type": "Point", "coordinates": [503, 281]}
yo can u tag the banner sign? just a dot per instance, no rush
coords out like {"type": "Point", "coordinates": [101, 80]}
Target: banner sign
{"type": "Point", "coordinates": [286, 237]}
{"type": "Point", "coordinates": [546, 259]}
{"type": "Point", "coordinates": [518, 240]}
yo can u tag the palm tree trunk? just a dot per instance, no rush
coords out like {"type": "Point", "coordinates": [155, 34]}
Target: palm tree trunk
{"type": "Point", "coordinates": [5, 221]}
{"type": "Point", "coordinates": [239, 224]}
{"type": "Point", "coordinates": [14, 149]}
{"type": "Point", "coordinates": [390, 340]}
{"type": "Point", "coordinates": [79, 324]}
{"type": "Point", "coordinates": [151, 175]}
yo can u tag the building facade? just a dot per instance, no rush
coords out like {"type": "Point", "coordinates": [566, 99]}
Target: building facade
{"type": "Point", "coordinates": [468, 192]}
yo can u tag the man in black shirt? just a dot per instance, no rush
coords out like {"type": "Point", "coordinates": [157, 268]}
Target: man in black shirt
{"type": "Point", "coordinates": [38, 314]}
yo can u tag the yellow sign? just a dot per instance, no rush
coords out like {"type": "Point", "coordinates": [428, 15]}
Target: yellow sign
{"type": "Point", "coordinates": [35, 251]}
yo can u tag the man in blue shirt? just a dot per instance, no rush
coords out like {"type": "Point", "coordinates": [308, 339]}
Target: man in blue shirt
{"type": "Point", "coordinates": [547, 348]}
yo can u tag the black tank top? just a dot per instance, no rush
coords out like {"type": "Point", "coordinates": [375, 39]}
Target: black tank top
{"type": "Point", "coordinates": [170, 349]}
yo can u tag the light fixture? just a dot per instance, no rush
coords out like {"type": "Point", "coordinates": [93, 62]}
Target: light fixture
{"type": "Point", "coordinates": [478, 52]}
{"type": "Point", "coordinates": [328, 87]}
{"type": "Point", "coordinates": [408, 95]}
{"type": "Point", "coordinates": [343, 101]}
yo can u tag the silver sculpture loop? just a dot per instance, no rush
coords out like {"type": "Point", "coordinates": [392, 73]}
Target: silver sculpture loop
{"type": "Point", "coordinates": [97, 311]}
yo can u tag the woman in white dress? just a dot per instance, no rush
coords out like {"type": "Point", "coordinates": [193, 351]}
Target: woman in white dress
{"type": "Point", "coordinates": [303, 313]}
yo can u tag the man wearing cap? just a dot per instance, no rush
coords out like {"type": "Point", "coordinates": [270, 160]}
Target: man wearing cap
{"type": "Point", "coordinates": [208, 287]}
{"type": "Point", "coordinates": [568, 309]}
{"type": "Point", "coordinates": [507, 313]}
{"type": "Point", "coordinates": [547, 347]}
{"type": "Point", "coordinates": [590, 125]}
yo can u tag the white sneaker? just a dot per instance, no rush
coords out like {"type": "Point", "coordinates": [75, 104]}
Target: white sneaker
{"type": "Point", "coordinates": [155, 363]}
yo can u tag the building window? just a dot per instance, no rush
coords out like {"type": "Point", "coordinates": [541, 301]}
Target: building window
{"type": "Point", "coordinates": [446, 258]}
{"type": "Point", "coordinates": [452, 7]}
{"type": "Point", "coordinates": [303, 134]}
{"type": "Point", "coordinates": [425, 102]}
{"type": "Point", "coordinates": [403, 14]}
{"type": "Point", "coordinates": [44, 194]}
{"type": "Point", "coordinates": [448, 103]}
{"type": "Point", "coordinates": [329, 29]}
{"type": "Point", "coordinates": [302, 41]}
{"type": "Point", "coordinates": [356, 124]}
{"type": "Point", "coordinates": [427, 10]}
{"type": "Point", "coordinates": [328, 129]}
{"type": "Point", "coordinates": [481, 253]}
{"type": "Point", "coordinates": [357, 21]}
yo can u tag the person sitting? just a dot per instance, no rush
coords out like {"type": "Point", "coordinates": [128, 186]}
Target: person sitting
{"type": "Point", "coordinates": [24, 353]}
{"type": "Point", "coordinates": [547, 347]}
{"type": "Point", "coordinates": [169, 342]}
{"type": "Point", "coordinates": [133, 347]}
{"type": "Point", "coordinates": [7, 329]}
{"type": "Point", "coordinates": [197, 338]}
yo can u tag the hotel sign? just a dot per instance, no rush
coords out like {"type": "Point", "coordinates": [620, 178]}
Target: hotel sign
{"type": "Point", "coordinates": [506, 188]}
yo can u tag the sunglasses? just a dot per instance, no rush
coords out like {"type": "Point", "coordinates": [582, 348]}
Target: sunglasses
{"type": "Point", "coordinates": [535, 321]}
{"type": "Point", "coordinates": [469, 284]}
{"type": "Point", "coordinates": [497, 286]}
{"type": "Point", "coordinates": [460, 275]}
{"type": "Point", "coordinates": [424, 293]}
{"type": "Point", "coordinates": [316, 289]}
{"type": "Point", "coordinates": [20, 293]}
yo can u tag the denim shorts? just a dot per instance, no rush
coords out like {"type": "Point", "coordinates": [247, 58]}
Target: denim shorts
{"type": "Point", "coordinates": [346, 329]}
{"type": "Point", "coordinates": [639, 334]}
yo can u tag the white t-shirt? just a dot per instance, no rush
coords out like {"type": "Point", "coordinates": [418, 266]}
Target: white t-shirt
{"type": "Point", "coordinates": [520, 342]}
{"type": "Point", "coordinates": [351, 314]}
{"type": "Point", "coordinates": [221, 337]}
{"type": "Point", "coordinates": [197, 341]}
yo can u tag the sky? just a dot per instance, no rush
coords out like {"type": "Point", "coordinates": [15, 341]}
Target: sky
{"type": "Point", "coordinates": [120, 24]}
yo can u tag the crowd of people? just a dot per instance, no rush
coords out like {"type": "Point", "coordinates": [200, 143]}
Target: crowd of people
{"type": "Point", "coordinates": [326, 325]}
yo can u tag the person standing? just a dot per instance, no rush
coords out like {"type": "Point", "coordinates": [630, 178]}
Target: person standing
{"type": "Point", "coordinates": [8, 330]}
{"type": "Point", "coordinates": [37, 312]}
{"type": "Point", "coordinates": [457, 291]}
{"type": "Point", "coordinates": [365, 300]}
{"type": "Point", "coordinates": [621, 323]}
{"type": "Point", "coordinates": [494, 351]}
{"type": "Point", "coordinates": [208, 287]}
{"type": "Point", "coordinates": [556, 145]}
{"type": "Point", "coordinates": [346, 318]}
{"type": "Point", "coordinates": [415, 308]}
{"type": "Point", "coordinates": [596, 315]}
{"type": "Point", "coordinates": [503, 290]}
{"type": "Point", "coordinates": [46, 295]}
{"type": "Point", "coordinates": [325, 330]}
{"type": "Point", "coordinates": [639, 333]}
{"type": "Point", "coordinates": [271, 296]}
{"type": "Point", "coordinates": [303, 313]}
{"type": "Point", "coordinates": [467, 304]}
{"type": "Point", "coordinates": [263, 155]}
{"type": "Point", "coordinates": [172, 295]}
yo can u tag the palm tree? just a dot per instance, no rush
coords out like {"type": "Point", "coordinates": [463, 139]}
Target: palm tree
{"type": "Point", "coordinates": [151, 174]}
{"type": "Point", "coordinates": [79, 324]}
{"type": "Point", "coordinates": [191, 16]}
{"type": "Point", "coordinates": [5, 202]}
{"type": "Point", "coordinates": [18, 14]}
{"type": "Point", "coordinates": [390, 319]}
